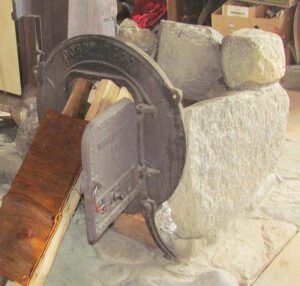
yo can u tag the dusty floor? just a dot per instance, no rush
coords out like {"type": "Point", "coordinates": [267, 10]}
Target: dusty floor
{"type": "Point", "coordinates": [118, 260]}
{"type": "Point", "coordinates": [285, 270]}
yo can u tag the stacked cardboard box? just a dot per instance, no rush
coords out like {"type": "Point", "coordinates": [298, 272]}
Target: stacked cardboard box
{"type": "Point", "coordinates": [278, 18]}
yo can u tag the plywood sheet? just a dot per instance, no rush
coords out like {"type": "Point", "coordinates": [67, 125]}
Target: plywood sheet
{"type": "Point", "coordinates": [9, 63]}
{"type": "Point", "coordinates": [32, 209]}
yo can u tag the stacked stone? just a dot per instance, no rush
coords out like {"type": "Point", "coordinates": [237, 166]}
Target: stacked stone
{"type": "Point", "coordinates": [145, 39]}
{"type": "Point", "coordinates": [233, 145]}
{"type": "Point", "coordinates": [190, 55]}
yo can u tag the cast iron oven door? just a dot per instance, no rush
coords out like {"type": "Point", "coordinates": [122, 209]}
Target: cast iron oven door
{"type": "Point", "coordinates": [155, 150]}
{"type": "Point", "coordinates": [110, 166]}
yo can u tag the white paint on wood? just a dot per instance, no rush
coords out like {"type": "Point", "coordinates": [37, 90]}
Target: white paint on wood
{"type": "Point", "coordinates": [91, 17]}
{"type": "Point", "coordinates": [9, 61]}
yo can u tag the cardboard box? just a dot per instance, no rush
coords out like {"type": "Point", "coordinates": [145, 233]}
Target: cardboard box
{"type": "Point", "coordinates": [282, 26]}
{"type": "Point", "coordinates": [241, 9]}
{"type": "Point", "coordinates": [279, 3]}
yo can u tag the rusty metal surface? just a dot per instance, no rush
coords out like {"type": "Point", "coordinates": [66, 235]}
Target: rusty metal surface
{"type": "Point", "coordinates": [160, 132]}
{"type": "Point", "coordinates": [31, 210]}
{"type": "Point", "coordinates": [110, 166]}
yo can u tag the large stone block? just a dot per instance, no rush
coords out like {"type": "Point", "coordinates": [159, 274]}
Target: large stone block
{"type": "Point", "coordinates": [146, 40]}
{"type": "Point", "coordinates": [233, 143]}
{"type": "Point", "coordinates": [252, 56]}
{"type": "Point", "coordinates": [191, 57]}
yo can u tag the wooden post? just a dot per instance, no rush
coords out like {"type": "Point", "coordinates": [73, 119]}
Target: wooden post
{"type": "Point", "coordinates": [172, 10]}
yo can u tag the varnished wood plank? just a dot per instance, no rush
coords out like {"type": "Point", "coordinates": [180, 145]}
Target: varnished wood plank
{"type": "Point", "coordinates": [44, 265]}
{"type": "Point", "coordinates": [31, 211]}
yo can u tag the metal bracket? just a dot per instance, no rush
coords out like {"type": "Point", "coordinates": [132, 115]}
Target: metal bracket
{"type": "Point", "coordinates": [150, 207]}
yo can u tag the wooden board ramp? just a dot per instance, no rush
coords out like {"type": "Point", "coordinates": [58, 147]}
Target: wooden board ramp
{"type": "Point", "coordinates": [31, 211]}
{"type": "Point", "coordinates": [55, 216]}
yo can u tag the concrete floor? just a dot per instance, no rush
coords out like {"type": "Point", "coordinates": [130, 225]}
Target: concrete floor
{"type": "Point", "coordinates": [285, 268]}
{"type": "Point", "coordinates": [118, 260]}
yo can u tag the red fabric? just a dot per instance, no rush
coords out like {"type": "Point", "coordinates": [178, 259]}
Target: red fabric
{"type": "Point", "coordinates": [150, 14]}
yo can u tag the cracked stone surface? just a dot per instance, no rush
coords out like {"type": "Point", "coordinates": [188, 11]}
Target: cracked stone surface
{"type": "Point", "coordinates": [233, 144]}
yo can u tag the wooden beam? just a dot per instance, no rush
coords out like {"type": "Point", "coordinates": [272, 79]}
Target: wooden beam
{"type": "Point", "coordinates": [172, 10]}
{"type": "Point", "coordinates": [110, 97]}
{"type": "Point", "coordinates": [124, 93]}
{"type": "Point", "coordinates": [78, 97]}
{"type": "Point", "coordinates": [106, 89]}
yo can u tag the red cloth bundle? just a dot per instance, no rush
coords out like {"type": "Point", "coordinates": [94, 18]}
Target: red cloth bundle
{"type": "Point", "coordinates": [150, 14]}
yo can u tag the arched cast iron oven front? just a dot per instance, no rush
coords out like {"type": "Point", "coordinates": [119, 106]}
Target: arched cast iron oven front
{"type": "Point", "coordinates": [161, 137]}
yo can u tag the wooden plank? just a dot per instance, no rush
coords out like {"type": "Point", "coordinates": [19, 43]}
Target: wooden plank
{"type": "Point", "coordinates": [172, 10]}
{"type": "Point", "coordinates": [41, 273]}
{"type": "Point", "coordinates": [93, 92]}
{"type": "Point", "coordinates": [106, 88]}
{"type": "Point", "coordinates": [134, 226]}
{"type": "Point", "coordinates": [124, 93]}
{"type": "Point", "coordinates": [109, 98]}
{"type": "Point", "coordinates": [9, 60]}
{"type": "Point", "coordinates": [31, 210]}
{"type": "Point", "coordinates": [78, 97]}
{"type": "Point", "coordinates": [42, 270]}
